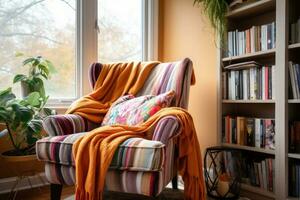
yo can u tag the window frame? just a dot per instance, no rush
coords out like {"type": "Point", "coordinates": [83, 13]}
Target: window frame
{"type": "Point", "coordinates": [87, 40]}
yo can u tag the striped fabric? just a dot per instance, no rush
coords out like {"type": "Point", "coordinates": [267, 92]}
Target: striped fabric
{"type": "Point", "coordinates": [67, 124]}
{"type": "Point", "coordinates": [135, 154]}
{"type": "Point", "coordinates": [170, 76]}
{"type": "Point", "coordinates": [139, 166]}
{"type": "Point", "coordinates": [94, 72]}
{"type": "Point", "coordinates": [144, 183]}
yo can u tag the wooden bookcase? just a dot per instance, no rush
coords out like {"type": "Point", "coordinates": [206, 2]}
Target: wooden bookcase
{"type": "Point", "coordinates": [282, 109]}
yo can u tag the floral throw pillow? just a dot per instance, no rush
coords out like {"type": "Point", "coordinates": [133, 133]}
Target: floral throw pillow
{"type": "Point", "coordinates": [130, 110]}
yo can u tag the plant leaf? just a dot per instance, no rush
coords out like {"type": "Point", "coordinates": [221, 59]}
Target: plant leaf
{"type": "Point", "coordinates": [5, 96]}
{"type": "Point", "coordinates": [51, 66]}
{"type": "Point", "coordinates": [19, 77]}
{"type": "Point", "coordinates": [36, 125]}
{"type": "Point", "coordinates": [28, 60]}
{"type": "Point", "coordinates": [22, 113]}
{"type": "Point", "coordinates": [33, 99]}
{"type": "Point", "coordinates": [4, 115]}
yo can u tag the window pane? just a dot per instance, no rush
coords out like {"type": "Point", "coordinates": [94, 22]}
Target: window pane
{"type": "Point", "coordinates": [120, 34]}
{"type": "Point", "coordinates": [39, 27]}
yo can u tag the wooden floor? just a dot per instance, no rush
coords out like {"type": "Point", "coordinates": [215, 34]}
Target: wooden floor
{"type": "Point", "coordinates": [44, 194]}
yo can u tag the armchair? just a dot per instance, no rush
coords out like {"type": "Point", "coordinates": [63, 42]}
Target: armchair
{"type": "Point", "coordinates": [139, 166]}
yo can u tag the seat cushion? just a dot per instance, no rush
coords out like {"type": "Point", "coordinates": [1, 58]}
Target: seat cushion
{"type": "Point", "coordinates": [135, 154]}
{"type": "Point", "coordinates": [137, 182]}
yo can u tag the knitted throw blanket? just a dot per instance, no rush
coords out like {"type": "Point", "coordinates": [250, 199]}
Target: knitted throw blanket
{"type": "Point", "coordinates": [94, 151]}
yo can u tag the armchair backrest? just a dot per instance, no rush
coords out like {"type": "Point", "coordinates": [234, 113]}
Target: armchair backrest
{"type": "Point", "coordinates": [164, 77]}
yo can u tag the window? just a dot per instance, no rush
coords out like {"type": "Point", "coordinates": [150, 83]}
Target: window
{"type": "Point", "coordinates": [64, 32]}
{"type": "Point", "coordinates": [39, 27]}
{"type": "Point", "coordinates": [120, 30]}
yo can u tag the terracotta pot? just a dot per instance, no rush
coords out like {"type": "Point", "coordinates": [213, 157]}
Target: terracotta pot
{"type": "Point", "coordinates": [19, 158]}
{"type": "Point", "coordinates": [22, 165]}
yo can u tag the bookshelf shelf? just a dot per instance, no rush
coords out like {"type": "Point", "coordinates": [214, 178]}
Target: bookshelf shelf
{"type": "Point", "coordinates": [260, 54]}
{"type": "Point", "coordinates": [247, 148]}
{"type": "Point", "coordinates": [293, 198]}
{"type": "Point", "coordinates": [257, 190]}
{"type": "Point", "coordinates": [248, 101]}
{"type": "Point", "coordinates": [252, 9]}
{"type": "Point", "coordinates": [294, 46]}
{"type": "Point", "coordinates": [294, 101]}
{"type": "Point", "coordinates": [294, 155]}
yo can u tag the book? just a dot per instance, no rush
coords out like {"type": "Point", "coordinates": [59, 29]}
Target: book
{"type": "Point", "coordinates": [255, 132]}
{"type": "Point", "coordinates": [270, 134]}
{"type": "Point", "coordinates": [253, 169]}
{"type": "Point", "coordinates": [250, 132]}
{"type": "Point", "coordinates": [253, 39]}
{"type": "Point", "coordinates": [294, 80]}
{"type": "Point", "coordinates": [294, 136]}
{"type": "Point", "coordinates": [242, 82]}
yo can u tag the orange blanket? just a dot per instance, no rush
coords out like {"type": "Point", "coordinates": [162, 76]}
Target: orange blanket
{"type": "Point", "coordinates": [94, 151]}
{"type": "Point", "coordinates": [114, 81]}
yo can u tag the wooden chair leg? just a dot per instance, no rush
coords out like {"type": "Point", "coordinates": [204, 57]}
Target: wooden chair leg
{"type": "Point", "coordinates": [175, 183]}
{"type": "Point", "coordinates": [55, 191]}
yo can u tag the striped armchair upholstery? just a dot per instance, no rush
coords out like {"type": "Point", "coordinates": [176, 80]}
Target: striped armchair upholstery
{"type": "Point", "coordinates": [140, 166]}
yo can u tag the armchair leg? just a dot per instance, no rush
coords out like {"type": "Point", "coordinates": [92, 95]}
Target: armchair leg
{"type": "Point", "coordinates": [55, 191]}
{"type": "Point", "coordinates": [175, 183]}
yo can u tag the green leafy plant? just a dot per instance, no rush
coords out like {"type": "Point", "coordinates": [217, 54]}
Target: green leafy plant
{"type": "Point", "coordinates": [23, 116]}
{"type": "Point", "coordinates": [216, 12]}
{"type": "Point", "coordinates": [39, 69]}
{"type": "Point", "coordinates": [23, 120]}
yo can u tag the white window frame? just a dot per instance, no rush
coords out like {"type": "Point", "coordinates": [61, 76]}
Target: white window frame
{"type": "Point", "coordinates": [87, 40]}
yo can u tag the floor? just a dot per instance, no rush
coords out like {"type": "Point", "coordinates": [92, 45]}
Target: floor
{"type": "Point", "coordinates": [42, 193]}
{"type": "Point", "coordinates": [68, 194]}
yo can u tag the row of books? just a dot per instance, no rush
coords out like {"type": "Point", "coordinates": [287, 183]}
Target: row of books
{"type": "Point", "coordinates": [295, 32]}
{"type": "Point", "coordinates": [249, 84]}
{"type": "Point", "coordinates": [294, 137]}
{"type": "Point", "coordinates": [254, 132]}
{"type": "Point", "coordinates": [257, 172]}
{"type": "Point", "coordinates": [294, 178]}
{"type": "Point", "coordinates": [294, 73]}
{"type": "Point", "coordinates": [256, 38]}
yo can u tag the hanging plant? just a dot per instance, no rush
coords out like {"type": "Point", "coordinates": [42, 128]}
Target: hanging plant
{"type": "Point", "coordinates": [216, 11]}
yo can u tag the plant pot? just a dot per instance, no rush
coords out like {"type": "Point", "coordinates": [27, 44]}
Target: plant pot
{"type": "Point", "coordinates": [9, 158]}
{"type": "Point", "coordinates": [25, 91]}
{"type": "Point", "coordinates": [22, 165]}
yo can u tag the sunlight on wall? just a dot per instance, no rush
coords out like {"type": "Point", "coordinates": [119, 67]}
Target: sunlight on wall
{"type": "Point", "coordinates": [185, 32]}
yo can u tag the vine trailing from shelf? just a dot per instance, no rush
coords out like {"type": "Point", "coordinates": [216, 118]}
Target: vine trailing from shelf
{"type": "Point", "coordinates": [216, 11]}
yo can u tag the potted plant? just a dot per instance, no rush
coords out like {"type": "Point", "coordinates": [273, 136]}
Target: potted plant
{"type": "Point", "coordinates": [23, 121]}
{"type": "Point", "coordinates": [23, 117]}
{"type": "Point", "coordinates": [39, 69]}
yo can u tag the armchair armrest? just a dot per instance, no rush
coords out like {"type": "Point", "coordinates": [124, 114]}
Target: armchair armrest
{"type": "Point", "coordinates": [67, 124]}
{"type": "Point", "coordinates": [166, 128]}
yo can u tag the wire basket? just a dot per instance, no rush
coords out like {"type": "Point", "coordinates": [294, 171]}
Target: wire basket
{"type": "Point", "coordinates": [222, 172]}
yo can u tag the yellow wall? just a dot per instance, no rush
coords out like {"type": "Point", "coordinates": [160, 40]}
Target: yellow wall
{"type": "Point", "coordinates": [185, 32]}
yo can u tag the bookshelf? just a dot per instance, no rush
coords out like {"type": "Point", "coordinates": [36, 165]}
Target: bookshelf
{"type": "Point", "coordinates": [294, 100]}
{"type": "Point", "coordinates": [282, 108]}
{"type": "Point", "coordinates": [294, 155]}
{"type": "Point", "coordinates": [255, 55]}
{"type": "Point", "coordinates": [294, 46]}
{"type": "Point", "coordinates": [254, 149]}
{"type": "Point", "coordinates": [251, 9]}
{"type": "Point", "coordinates": [248, 101]}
